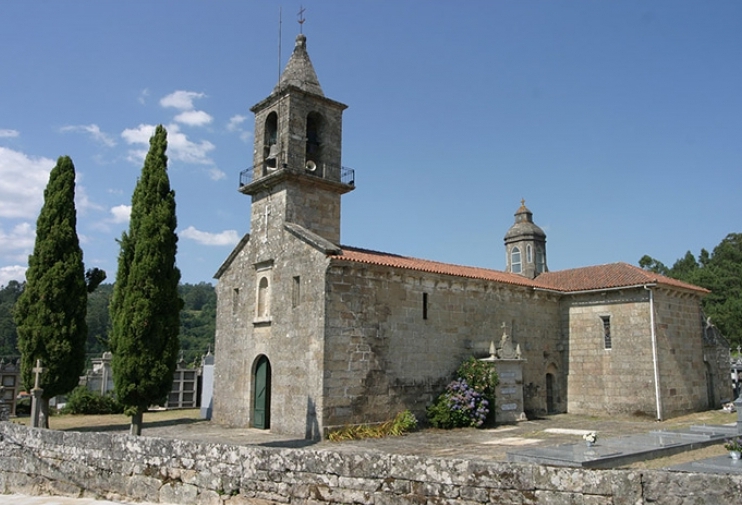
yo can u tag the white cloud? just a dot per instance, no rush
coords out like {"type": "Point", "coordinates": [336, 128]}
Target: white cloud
{"type": "Point", "coordinates": [12, 273]}
{"type": "Point", "coordinates": [180, 148]}
{"type": "Point", "coordinates": [94, 131]}
{"type": "Point", "coordinates": [216, 175]}
{"type": "Point", "coordinates": [194, 118]}
{"type": "Point", "coordinates": [235, 122]}
{"type": "Point", "coordinates": [235, 125]}
{"type": "Point", "coordinates": [8, 133]}
{"type": "Point", "coordinates": [180, 99]}
{"type": "Point", "coordinates": [139, 135]}
{"type": "Point", "coordinates": [19, 241]}
{"type": "Point", "coordinates": [22, 182]}
{"type": "Point", "coordinates": [227, 237]}
{"type": "Point", "coordinates": [82, 200]}
{"type": "Point", "coordinates": [121, 213]}
{"type": "Point", "coordinates": [143, 96]}
{"type": "Point", "coordinates": [15, 246]}
{"type": "Point", "coordinates": [136, 156]}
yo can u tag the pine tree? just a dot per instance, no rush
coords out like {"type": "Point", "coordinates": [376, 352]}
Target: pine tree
{"type": "Point", "coordinates": [145, 305]}
{"type": "Point", "coordinates": [50, 313]}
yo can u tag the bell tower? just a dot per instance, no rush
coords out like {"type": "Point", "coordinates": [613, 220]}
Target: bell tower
{"type": "Point", "coordinates": [525, 245]}
{"type": "Point", "coordinates": [297, 176]}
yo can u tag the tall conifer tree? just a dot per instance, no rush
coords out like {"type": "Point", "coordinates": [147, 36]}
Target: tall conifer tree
{"type": "Point", "coordinates": [145, 306]}
{"type": "Point", "coordinates": [50, 313]}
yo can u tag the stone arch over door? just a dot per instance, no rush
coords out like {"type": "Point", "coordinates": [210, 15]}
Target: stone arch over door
{"type": "Point", "coordinates": [261, 409]}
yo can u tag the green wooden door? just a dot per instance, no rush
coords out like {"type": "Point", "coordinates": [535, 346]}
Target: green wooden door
{"type": "Point", "coordinates": [262, 411]}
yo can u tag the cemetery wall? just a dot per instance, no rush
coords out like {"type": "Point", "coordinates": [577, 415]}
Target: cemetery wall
{"type": "Point", "coordinates": [121, 467]}
{"type": "Point", "coordinates": [395, 338]}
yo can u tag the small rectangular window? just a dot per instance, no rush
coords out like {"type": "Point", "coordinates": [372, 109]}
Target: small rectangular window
{"type": "Point", "coordinates": [425, 305]}
{"type": "Point", "coordinates": [296, 292]}
{"type": "Point", "coordinates": [606, 331]}
{"type": "Point", "coordinates": [235, 300]}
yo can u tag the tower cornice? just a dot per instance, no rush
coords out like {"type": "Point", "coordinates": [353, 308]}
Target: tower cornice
{"type": "Point", "coordinates": [291, 90]}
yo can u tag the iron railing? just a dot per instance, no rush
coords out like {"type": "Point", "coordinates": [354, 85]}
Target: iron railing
{"type": "Point", "coordinates": [343, 175]}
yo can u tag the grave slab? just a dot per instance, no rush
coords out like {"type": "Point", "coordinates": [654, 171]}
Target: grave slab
{"type": "Point", "coordinates": [719, 464]}
{"type": "Point", "coordinates": [619, 451]}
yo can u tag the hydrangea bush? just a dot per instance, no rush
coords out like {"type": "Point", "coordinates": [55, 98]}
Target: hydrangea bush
{"type": "Point", "coordinates": [466, 401]}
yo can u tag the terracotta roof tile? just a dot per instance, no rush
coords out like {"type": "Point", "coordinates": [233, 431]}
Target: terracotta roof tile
{"type": "Point", "coordinates": [397, 261]}
{"type": "Point", "coordinates": [613, 275]}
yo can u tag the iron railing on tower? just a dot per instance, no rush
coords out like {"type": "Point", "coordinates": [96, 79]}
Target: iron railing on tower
{"type": "Point", "coordinates": [343, 175]}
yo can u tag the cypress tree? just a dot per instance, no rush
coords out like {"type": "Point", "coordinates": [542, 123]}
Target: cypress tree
{"type": "Point", "coordinates": [50, 313]}
{"type": "Point", "coordinates": [145, 306]}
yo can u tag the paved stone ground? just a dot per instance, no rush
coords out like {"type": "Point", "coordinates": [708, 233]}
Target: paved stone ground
{"type": "Point", "coordinates": [483, 444]}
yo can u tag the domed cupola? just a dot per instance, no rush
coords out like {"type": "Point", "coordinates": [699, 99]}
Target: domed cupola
{"type": "Point", "coordinates": [525, 245]}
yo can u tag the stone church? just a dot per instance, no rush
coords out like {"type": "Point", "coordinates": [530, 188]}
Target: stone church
{"type": "Point", "coordinates": [312, 334]}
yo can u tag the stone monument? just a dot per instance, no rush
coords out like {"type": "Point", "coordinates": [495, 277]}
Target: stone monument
{"type": "Point", "coordinates": [508, 363]}
{"type": "Point", "coordinates": [207, 386]}
{"type": "Point", "coordinates": [36, 392]}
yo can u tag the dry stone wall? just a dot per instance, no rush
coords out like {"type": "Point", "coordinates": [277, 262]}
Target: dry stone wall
{"type": "Point", "coordinates": [122, 467]}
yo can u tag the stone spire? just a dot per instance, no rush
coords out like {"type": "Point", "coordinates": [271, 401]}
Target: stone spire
{"type": "Point", "coordinates": [299, 71]}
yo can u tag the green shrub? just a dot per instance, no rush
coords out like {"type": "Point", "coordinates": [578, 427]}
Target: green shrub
{"type": "Point", "coordinates": [481, 376]}
{"type": "Point", "coordinates": [84, 401]}
{"type": "Point", "coordinates": [23, 407]}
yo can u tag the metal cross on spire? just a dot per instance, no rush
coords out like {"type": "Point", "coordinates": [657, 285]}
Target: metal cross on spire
{"type": "Point", "coordinates": [301, 19]}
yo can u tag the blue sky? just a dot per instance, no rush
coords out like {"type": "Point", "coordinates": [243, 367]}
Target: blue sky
{"type": "Point", "coordinates": [619, 122]}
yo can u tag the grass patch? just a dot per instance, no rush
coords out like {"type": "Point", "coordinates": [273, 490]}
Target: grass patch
{"type": "Point", "coordinates": [115, 422]}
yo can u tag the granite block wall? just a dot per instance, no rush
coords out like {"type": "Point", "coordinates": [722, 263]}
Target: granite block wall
{"type": "Point", "coordinates": [125, 468]}
{"type": "Point", "coordinates": [395, 338]}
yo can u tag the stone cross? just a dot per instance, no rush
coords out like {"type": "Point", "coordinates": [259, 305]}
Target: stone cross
{"type": "Point", "coordinates": [37, 370]}
{"type": "Point", "coordinates": [36, 395]}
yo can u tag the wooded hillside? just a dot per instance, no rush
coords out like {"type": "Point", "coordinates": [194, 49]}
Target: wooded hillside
{"type": "Point", "coordinates": [197, 320]}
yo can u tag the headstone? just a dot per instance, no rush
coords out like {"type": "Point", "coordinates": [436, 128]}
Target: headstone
{"type": "Point", "coordinates": [207, 386]}
{"type": "Point", "coordinates": [4, 407]}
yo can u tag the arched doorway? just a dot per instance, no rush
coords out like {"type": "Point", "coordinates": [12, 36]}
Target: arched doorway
{"type": "Point", "coordinates": [550, 400]}
{"type": "Point", "coordinates": [262, 384]}
{"type": "Point", "coordinates": [710, 388]}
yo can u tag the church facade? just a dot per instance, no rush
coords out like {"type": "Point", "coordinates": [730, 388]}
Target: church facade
{"type": "Point", "coordinates": [312, 334]}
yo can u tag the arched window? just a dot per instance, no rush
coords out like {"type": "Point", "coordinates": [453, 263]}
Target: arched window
{"type": "Point", "coordinates": [262, 307]}
{"type": "Point", "coordinates": [529, 253]}
{"type": "Point", "coordinates": [270, 141]}
{"type": "Point", "coordinates": [314, 137]}
{"type": "Point", "coordinates": [540, 260]}
{"type": "Point", "coordinates": [515, 262]}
